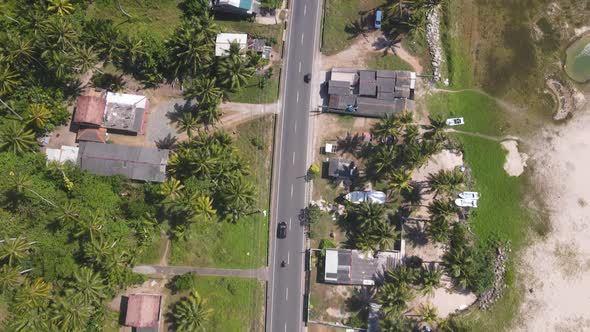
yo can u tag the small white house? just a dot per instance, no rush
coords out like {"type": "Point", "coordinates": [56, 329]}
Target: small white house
{"type": "Point", "coordinates": [223, 41]}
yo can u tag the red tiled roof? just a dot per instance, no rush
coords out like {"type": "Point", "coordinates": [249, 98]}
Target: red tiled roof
{"type": "Point", "coordinates": [90, 110]}
{"type": "Point", "coordinates": [92, 135]}
{"type": "Point", "coordinates": [143, 310]}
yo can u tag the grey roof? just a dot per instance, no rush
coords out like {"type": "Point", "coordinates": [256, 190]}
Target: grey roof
{"type": "Point", "coordinates": [341, 102]}
{"type": "Point", "coordinates": [367, 75]}
{"type": "Point", "coordinates": [338, 168]}
{"type": "Point", "coordinates": [367, 83]}
{"type": "Point", "coordinates": [355, 267]}
{"type": "Point", "coordinates": [386, 84]}
{"type": "Point", "coordinates": [137, 163]}
{"type": "Point", "coordinates": [126, 118]}
{"type": "Point", "coordinates": [402, 92]}
{"type": "Point", "coordinates": [386, 73]}
{"type": "Point", "coordinates": [339, 88]}
{"type": "Point", "coordinates": [389, 96]}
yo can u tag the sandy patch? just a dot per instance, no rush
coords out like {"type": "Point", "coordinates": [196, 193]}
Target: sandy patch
{"type": "Point", "coordinates": [446, 299]}
{"type": "Point", "coordinates": [363, 48]}
{"type": "Point", "coordinates": [444, 160]}
{"type": "Point", "coordinates": [515, 161]}
{"type": "Point", "coordinates": [557, 267]}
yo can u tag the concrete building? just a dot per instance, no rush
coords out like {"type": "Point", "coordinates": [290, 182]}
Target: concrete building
{"type": "Point", "coordinates": [124, 113]}
{"type": "Point", "coordinates": [224, 40]}
{"type": "Point", "coordinates": [238, 7]}
{"type": "Point", "coordinates": [64, 154]}
{"type": "Point", "coordinates": [137, 163]}
{"type": "Point", "coordinates": [353, 267]}
{"type": "Point", "coordinates": [371, 93]}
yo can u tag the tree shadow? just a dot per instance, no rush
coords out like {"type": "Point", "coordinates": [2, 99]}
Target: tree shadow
{"type": "Point", "coordinates": [360, 300]}
{"type": "Point", "coordinates": [168, 142]}
{"type": "Point", "coordinates": [179, 110]}
{"type": "Point", "coordinates": [415, 234]}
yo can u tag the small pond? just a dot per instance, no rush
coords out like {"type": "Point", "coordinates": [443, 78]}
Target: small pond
{"type": "Point", "coordinates": [577, 61]}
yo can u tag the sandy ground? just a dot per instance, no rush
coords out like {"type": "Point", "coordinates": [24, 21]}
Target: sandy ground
{"type": "Point", "coordinates": [446, 299]}
{"type": "Point", "coordinates": [557, 268]}
{"type": "Point", "coordinates": [515, 161]}
{"type": "Point", "coordinates": [365, 46]}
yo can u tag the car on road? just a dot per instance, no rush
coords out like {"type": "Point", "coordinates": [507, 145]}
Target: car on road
{"type": "Point", "coordinates": [378, 16]}
{"type": "Point", "coordinates": [282, 230]}
{"type": "Point", "coordinates": [307, 78]}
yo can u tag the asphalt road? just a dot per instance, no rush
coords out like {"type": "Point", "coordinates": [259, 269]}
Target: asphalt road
{"type": "Point", "coordinates": [285, 308]}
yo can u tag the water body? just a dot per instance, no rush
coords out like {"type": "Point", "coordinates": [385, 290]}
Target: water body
{"type": "Point", "coordinates": [577, 61]}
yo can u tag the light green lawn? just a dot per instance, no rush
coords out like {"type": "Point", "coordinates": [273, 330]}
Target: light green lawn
{"type": "Point", "coordinates": [339, 15]}
{"type": "Point", "coordinates": [244, 244]}
{"type": "Point", "coordinates": [388, 62]}
{"type": "Point", "coordinates": [238, 304]}
{"type": "Point", "coordinates": [153, 252]}
{"type": "Point", "coordinates": [157, 18]}
{"type": "Point", "coordinates": [253, 94]}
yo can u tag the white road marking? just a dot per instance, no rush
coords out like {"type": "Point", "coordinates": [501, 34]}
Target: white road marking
{"type": "Point", "coordinates": [302, 38]}
{"type": "Point", "coordinates": [304, 9]}
{"type": "Point", "coordinates": [295, 128]}
{"type": "Point", "coordinates": [289, 223]}
{"type": "Point", "coordinates": [285, 327]}
{"type": "Point", "coordinates": [299, 66]}
{"type": "Point", "coordinates": [293, 158]}
{"type": "Point", "coordinates": [288, 256]}
{"type": "Point", "coordinates": [291, 190]}
{"type": "Point", "coordinates": [297, 96]}
{"type": "Point", "coordinates": [287, 293]}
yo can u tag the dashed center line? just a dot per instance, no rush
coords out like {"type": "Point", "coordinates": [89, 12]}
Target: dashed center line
{"type": "Point", "coordinates": [293, 158]}
{"type": "Point", "coordinates": [299, 66]}
{"type": "Point", "coordinates": [291, 190]}
{"type": "Point", "coordinates": [297, 96]}
{"type": "Point", "coordinates": [302, 38]}
{"type": "Point", "coordinates": [286, 293]}
{"type": "Point", "coordinates": [304, 9]}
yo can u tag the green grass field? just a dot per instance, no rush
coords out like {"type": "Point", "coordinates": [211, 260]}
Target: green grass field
{"type": "Point", "coordinates": [153, 253]}
{"type": "Point", "coordinates": [389, 62]}
{"type": "Point", "coordinates": [244, 244]}
{"type": "Point", "coordinates": [238, 304]}
{"type": "Point", "coordinates": [157, 18]}
{"type": "Point", "coordinates": [339, 16]}
{"type": "Point", "coordinates": [253, 94]}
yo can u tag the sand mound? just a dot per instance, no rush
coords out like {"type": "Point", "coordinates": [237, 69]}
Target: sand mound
{"type": "Point", "coordinates": [515, 161]}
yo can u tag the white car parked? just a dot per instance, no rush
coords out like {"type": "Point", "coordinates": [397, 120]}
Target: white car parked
{"type": "Point", "coordinates": [466, 202]}
{"type": "Point", "coordinates": [455, 121]}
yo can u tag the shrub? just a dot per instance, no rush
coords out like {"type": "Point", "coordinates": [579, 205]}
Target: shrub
{"type": "Point", "coordinates": [183, 283]}
{"type": "Point", "coordinates": [257, 142]}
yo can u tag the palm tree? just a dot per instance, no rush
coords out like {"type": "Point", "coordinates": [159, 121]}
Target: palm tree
{"type": "Point", "coordinates": [14, 249]}
{"type": "Point", "coordinates": [430, 279]}
{"type": "Point", "coordinates": [388, 126]}
{"type": "Point", "coordinates": [31, 320]}
{"type": "Point", "coordinates": [445, 181]}
{"type": "Point", "coordinates": [444, 208]}
{"type": "Point", "coordinates": [204, 90]}
{"type": "Point", "coordinates": [187, 122]}
{"type": "Point", "coordinates": [39, 116]}
{"type": "Point", "coordinates": [209, 114]}
{"type": "Point", "coordinates": [367, 213]}
{"type": "Point", "coordinates": [88, 286]}
{"type": "Point", "coordinates": [202, 207]}
{"type": "Point", "coordinates": [69, 213]}
{"type": "Point", "coordinates": [71, 313]}
{"type": "Point", "coordinates": [85, 58]}
{"type": "Point", "coordinates": [382, 160]}
{"type": "Point", "coordinates": [90, 227]}
{"type": "Point", "coordinates": [190, 52]}
{"type": "Point", "coordinates": [438, 229]}
{"type": "Point", "coordinates": [239, 198]}
{"type": "Point", "coordinates": [397, 324]}
{"type": "Point", "coordinates": [191, 314]}
{"type": "Point", "coordinates": [386, 235]}
{"type": "Point", "coordinates": [400, 181]}
{"type": "Point", "coordinates": [134, 48]}
{"type": "Point", "coordinates": [457, 262]}
{"type": "Point", "coordinates": [60, 7]}
{"type": "Point", "coordinates": [394, 299]}
{"type": "Point", "coordinates": [437, 124]}
{"type": "Point", "coordinates": [402, 276]}
{"type": "Point", "coordinates": [429, 313]}
{"type": "Point", "coordinates": [10, 278]}
{"type": "Point", "coordinates": [171, 188]}
{"type": "Point", "coordinates": [234, 72]}
{"type": "Point", "coordinates": [21, 50]}
{"type": "Point", "coordinates": [33, 294]}
{"type": "Point", "coordinates": [9, 80]}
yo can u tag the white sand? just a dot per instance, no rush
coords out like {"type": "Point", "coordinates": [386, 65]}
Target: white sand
{"type": "Point", "coordinates": [446, 300]}
{"type": "Point", "coordinates": [558, 267]}
{"type": "Point", "coordinates": [515, 161]}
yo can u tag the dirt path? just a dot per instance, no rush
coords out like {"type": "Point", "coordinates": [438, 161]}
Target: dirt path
{"type": "Point", "coordinates": [488, 137]}
{"type": "Point", "coordinates": [407, 57]}
{"type": "Point", "coordinates": [504, 104]}
{"type": "Point", "coordinates": [164, 257]}
{"type": "Point", "coordinates": [261, 273]}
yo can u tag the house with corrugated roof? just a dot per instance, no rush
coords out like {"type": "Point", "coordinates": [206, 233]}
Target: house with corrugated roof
{"type": "Point", "coordinates": [370, 93]}
{"type": "Point", "coordinates": [143, 312]}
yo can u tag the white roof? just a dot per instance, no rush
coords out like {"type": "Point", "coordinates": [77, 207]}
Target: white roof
{"type": "Point", "coordinates": [223, 41]}
{"type": "Point", "coordinates": [126, 99]}
{"type": "Point", "coordinates": [329, 148]}
{"type": "Point", "coordinates": [66, 153]}
{"type": "Point", "coordinates": [331, 261]}
{"type": "Point", "coordinates": [342, 76]}
{"type": "Point", "coordinates": [235, 3]}
{"type": "Point", "coordinates": [357, 197]}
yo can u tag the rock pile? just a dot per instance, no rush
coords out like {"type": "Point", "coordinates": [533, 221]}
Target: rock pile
{"type": "Point", "coordinates": [434, 41]}
{"type": "Point", "coordinates": [490, 296]}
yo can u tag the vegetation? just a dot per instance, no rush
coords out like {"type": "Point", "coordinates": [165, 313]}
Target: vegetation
{"type": "Point", "coordinates": [190, 314]}
{"type": "Point", "coordinates": [388, 62]}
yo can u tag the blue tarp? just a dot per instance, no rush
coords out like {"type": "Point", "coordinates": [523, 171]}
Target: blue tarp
{"type": "Point", "coordinates": [246, 4]}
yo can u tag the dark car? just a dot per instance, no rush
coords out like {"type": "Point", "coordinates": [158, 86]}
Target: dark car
{"type": "Point", "coordinates": [307, 77]}
{"type": "Point", "coordinates": [282, 230]}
